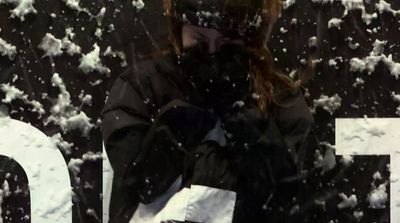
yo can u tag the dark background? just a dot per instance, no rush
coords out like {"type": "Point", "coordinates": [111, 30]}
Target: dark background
{"type": "Point", "coordinates": [141, 33]}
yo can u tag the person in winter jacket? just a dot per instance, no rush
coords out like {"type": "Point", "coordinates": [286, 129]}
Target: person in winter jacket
{"type": "Point", "coordinates": [210, 131]}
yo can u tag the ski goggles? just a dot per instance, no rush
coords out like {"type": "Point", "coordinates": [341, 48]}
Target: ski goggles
{"type": "Point", "coordinates": [233, 18]}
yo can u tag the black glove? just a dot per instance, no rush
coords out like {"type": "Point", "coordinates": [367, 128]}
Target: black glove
{"type": "Point", "coordinates": [244, 126]}
{"type": "Point", "coordinates": [261, 153]}
{"type": "Point", "coordinates": [188, 123]}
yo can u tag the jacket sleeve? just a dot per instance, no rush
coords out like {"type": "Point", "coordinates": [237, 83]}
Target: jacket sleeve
{"type": "Point", "coordinates": [295, 122]}
{"type": "Point", "coordinates": [258, 159]}
{"type": "Point", "coordinates": [254, 172]}
{"type": "Point", "coordinates": [145, 142]}
{"type": "Point", "coordinates": [141, 150]}
{"type": "Point", "coordinates": [255, 159]}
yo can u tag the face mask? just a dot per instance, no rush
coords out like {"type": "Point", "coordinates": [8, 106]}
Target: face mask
{"type": "Point", "coordinates": [220, 78]}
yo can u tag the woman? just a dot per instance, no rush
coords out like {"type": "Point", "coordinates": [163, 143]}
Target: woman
{"type": "Point", "coordinates": [210, 123]}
